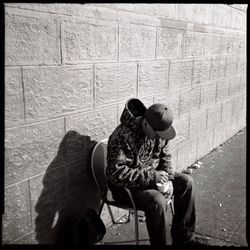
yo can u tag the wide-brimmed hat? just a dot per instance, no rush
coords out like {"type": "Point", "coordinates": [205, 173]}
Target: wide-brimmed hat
{"type": "Point", "coordinates": [160, 118]}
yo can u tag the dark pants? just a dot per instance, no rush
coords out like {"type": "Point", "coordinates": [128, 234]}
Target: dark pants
{"type": "Point", "coordinates": [154, 204]}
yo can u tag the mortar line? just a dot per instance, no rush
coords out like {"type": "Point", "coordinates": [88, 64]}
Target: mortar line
{"type": "Point", "coordinates": [137, 80]}
{"type": "Point", "coordinates": [156, 40]}
{"type": "Point", "coordinates": [24, 108]}
{"type": "Point", "coordinates": [94, 87]}
{"type": "Point", "coordinates": [168, 74]}
{"type": "Point", "coordinates": [31, 221]}
{"type": "Point", "coordinates": [192, 74]}
{"type": "Point", "coordinates": [60, 37]}
{"type": "Point", "coordinates": [118, 45]}
{"type": "Point", "coordinates": [64, 124]}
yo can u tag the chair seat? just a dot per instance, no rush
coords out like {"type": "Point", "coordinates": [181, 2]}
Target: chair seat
{"type": "Point", "coordinates": [123, 205]}
{"type": "Point", "coordinates": [118, 204]}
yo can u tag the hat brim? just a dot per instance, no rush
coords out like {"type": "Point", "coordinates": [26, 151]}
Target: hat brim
{"type": "Point", "coordinates": [168, 134]}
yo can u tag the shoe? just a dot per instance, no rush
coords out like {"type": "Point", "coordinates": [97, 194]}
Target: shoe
{"type": "Point", "coordinates": [195, 242]}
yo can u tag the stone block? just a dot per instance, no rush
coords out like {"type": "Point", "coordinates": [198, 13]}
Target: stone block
{"type": "Point", "coordinates": [208, 94]}
{"type": "Point", "coordinates": [241, 123]}
{"type": "Point", "coordinates": [205, 144]}
{"type": "Point", "coordinates": [180, 73]}
{"type": "Point", "coordinates": [242, 65]}
{"type": "Point", "coordinates": [238, 20]}
{"type": "Point", "coordinates": [232, 127]}
{"type": "Point", "coordinates": [14, 106]}
{"type": "Point", "coordinates": [186, 154]}
{"type": "Point", "coordinates": [98, 124]}
{"type": "Point", "coordinates": [240, 46]}
{"type": "Point", "coordinates": [152, 78]}
{"type": "Point", "coordinates": [189, 99]}
{"type": "Point", "coordinates": [17, 215]}
{"type": "Point", "coordinates": [212, 44]}
{"type": "Point", "coordinates": [234, 85]}
{"type": "Point", "coordinates": [166, 10]}
{"type": "Point", "coordinates": [115, 82]}
{"type": "Point", "coordinates": [228, 45]}
{"type": "Point", "coordinates": [214, 115]}
{"type": "Point", "coordinates": [172, 145]}
{"type": "Point", "coordinates": [220, 134]}
{"type": "Point", "coordinates": [231, 65]}
{"type": "Point", "coordinates": [222, 89]}
{"type": "Point", "coordinates": [169, 43]}
{"type": "Point", "coordinates": [201, 71]}
{"type": "Point", "coordinates": [31, 148]}
{"type": "Point", "coordinates": [31, 40]}
{"type": "Point", "coordinates": [171, 99]}
{"type": "Point", "coordinates": [193, 44]}
{"type": "Point", "coordinates": [222, 15]}
{"type": "Point", "coordinates": [198, 123]}
{"type": "Point", "coordinates": [218, 67]}
{"type": "Point", "coordinates": [55, 91]}
{"type": "Point", "coordinates": [85, 40]}
{"type": "Point", "coordinates": [243, 84]}
{"type": "Point", "coordinates": [227, 109]}
{"type": "Point", "coordinates": [238, 102]}
{"type": "Point", "coordinates": [136, 42]}
{"type": "Point", "coordinates": [181, 126]}
{"type": "Point", "coordinates": [197, 13]}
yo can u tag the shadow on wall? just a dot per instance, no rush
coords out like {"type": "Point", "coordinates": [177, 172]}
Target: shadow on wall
{"type": "Point", "coordinates": [68, 190]}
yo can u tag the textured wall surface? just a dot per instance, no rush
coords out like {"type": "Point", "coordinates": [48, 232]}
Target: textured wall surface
{"type": "Point", "coordinates": [69, 69]}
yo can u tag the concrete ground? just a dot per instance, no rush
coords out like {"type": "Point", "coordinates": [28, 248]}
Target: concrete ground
{"type": "Point", "coordinates": [220, 199]}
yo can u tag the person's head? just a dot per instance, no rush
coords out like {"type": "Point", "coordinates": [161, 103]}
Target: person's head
{"type": "Point", "coordinates": [157, 122]}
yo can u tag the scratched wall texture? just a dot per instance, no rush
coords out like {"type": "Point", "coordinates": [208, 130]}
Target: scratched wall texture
{"type": "Point", "coordinates": [69, 69]}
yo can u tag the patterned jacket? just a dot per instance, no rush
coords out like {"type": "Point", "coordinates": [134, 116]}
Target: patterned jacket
{"type": "Point", "coordinates": [132, 158]}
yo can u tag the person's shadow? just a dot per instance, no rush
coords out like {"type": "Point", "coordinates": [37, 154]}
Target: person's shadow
{"type": "Point", "coordinates": [68, 190]}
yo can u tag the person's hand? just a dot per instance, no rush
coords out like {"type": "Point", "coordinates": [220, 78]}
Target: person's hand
{"type": "Point", "coordinates": [161, 177]}
{"type": "Point", "coordinates": [170, 190]}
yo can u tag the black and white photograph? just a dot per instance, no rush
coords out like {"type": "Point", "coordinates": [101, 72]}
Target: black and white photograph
{"type": "Point", "coordinates": [125, 124]}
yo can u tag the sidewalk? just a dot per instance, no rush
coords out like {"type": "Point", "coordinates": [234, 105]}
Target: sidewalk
{"type": "Point", "coordinates": [220, 199]}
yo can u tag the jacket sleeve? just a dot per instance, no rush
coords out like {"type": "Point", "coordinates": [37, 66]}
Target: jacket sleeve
{"type": "Point", "coordinates": [165, 161]}
{"type": "Point", "coordinates": [122, 169]}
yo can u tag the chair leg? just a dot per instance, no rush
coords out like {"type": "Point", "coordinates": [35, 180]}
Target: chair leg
{"type": "Point", "coordinates": [100, 209]}
{"type": "Point", "coordinates": [136, 228]}
{"type": "Point", "coordinates": [129, 213]}
{"type": "Point", "coordinates": [172, 207]}
{"type": "Point", "coordinates": [111, 214]}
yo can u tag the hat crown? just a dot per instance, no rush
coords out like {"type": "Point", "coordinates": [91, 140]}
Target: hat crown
{"type": "Point", "coordinates": [159, 116]}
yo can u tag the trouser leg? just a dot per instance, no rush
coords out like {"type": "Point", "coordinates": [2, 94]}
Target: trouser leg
{"type": "Point", "coordinates": [183, 224]}
{"type": "Point", "coordinates": [154, 204]}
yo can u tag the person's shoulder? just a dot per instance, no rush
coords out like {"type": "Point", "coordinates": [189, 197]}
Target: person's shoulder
{"type": "Point", "coordinates": [120, 132]}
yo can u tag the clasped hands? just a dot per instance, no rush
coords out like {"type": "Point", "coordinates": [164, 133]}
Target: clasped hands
{"type": "Point", "coordinates": [162, 177]}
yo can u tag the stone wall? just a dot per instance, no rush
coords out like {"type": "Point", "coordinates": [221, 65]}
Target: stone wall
{"type": "Point", "coordinates": [69, 69]}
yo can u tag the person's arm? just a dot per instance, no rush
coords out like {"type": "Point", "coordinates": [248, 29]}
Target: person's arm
{"type": "Point", "coordinates": [165, 161]}
{"type": "Point", "coordinates": [121, 169]}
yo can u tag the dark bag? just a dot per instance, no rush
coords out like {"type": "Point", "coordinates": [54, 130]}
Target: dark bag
{"type": "Point", "coordinates": [89, 229]}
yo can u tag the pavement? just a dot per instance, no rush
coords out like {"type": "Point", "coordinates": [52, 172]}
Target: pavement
{"type": "Point", "coordinates": [220, 184]}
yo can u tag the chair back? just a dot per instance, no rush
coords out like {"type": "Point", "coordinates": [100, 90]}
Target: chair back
{"type": "Point", "coordinates": [98, 167]}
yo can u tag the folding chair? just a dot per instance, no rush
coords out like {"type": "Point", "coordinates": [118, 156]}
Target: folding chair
{"type": "Point", "coordinates": [98, 167]}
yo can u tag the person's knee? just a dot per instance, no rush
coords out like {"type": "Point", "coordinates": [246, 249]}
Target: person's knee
{"type": "Point", "coordinates": [157, 202]}
{"type": "Point", "coordinates": [188, 181]}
